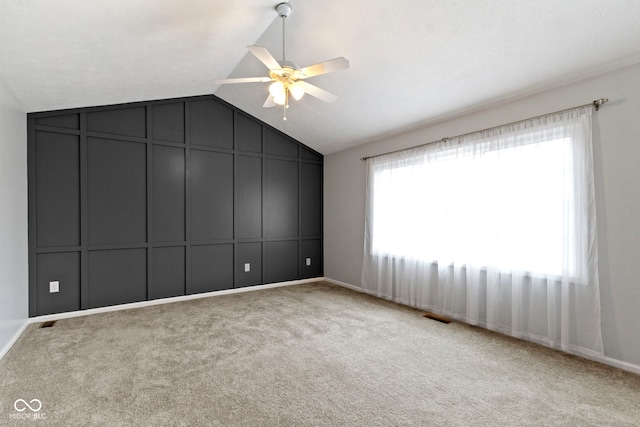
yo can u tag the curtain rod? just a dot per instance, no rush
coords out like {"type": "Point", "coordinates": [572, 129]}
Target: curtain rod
{"type": "Point", "coordinates": [595, 104]}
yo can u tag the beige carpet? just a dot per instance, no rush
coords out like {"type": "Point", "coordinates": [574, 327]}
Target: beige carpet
{"type": "Point", "coordinates": [306, 355]}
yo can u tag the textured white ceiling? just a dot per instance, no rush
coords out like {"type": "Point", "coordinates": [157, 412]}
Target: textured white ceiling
{"type": "Point", "coordinates": [73, 53]}
{"type": "Point", "coordinates": [412, 62]}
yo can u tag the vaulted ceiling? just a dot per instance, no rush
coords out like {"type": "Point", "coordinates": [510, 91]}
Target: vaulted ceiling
{"type": "Point", "coordinates": [413, 62]}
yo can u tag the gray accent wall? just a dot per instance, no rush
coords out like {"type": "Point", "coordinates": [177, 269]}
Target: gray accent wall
{"type": "Point", "coordinates": [165, 198]}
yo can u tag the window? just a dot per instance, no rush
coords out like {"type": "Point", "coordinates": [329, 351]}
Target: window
{"type": "Point", "coordinates": [501, 207]}
{"type": "Point", "coordinates": [495, 228]}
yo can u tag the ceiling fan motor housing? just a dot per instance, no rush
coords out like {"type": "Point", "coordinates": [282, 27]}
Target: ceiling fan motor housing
{"type": "Point", "coordinates": [289, 64]}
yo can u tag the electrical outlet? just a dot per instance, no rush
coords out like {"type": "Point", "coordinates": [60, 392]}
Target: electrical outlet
{"type": "Point", "coordinates": [54, 287]}
{"type": "Point", "coordinates": [308, 261]}
{"type": "Point", "coordinates": [247, 267]}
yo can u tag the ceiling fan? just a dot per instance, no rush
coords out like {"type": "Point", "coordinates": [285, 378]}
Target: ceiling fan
{"type": "Point", "coordinates": [287, 77]}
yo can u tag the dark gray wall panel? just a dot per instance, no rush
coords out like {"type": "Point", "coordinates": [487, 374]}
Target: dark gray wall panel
{"type": "Point", "coordinates": [311, 249]}
{"type": "Point", "coordinates": [57, 189]}
{"type": "Point", "coordinates": [248, 134]}
{"type": "Point", "coordinates": [309, 155]}
{"type": "Point", "coordinates": [168, 194]}
{"type": "Point", "coordinates": [68, 121]}
{"type": "Point", "coordinates": [163, 198]}
{"type": "Point", "coordinates": [211, 268]}
{"type": "Point", "coordinates": [211, 124]}
{"type": "Point", "coordinates": [119, 121]}
{"type": "Point", "coordinates": [168, 122]}
{"type": "Point", "coordinates": [281, 261]}
{"type": "Point", "coordinates": [280, 145]}
{"type": "Point", "coordinates": [281, 198]}
{"type": "Point", "coordinates": [211, 195]}
{"type": "Point", "coordinates": [63, 267]}
{"type": "Point", "coordinates": [249, 253]}
{"type": "Point", "coordinates": [248, 212]}
{"type": "Point", "coordinates": [168, 272]}
{"type": "Point", "coordinates": [117, 191]}
{"type": "Point", "coordinates": [117, 277]}
{"type": "Point", "coordinates": [311, 200]}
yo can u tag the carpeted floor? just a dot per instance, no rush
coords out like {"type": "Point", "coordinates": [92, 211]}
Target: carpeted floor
{"type": "Point", "coordinates": [304, 355]}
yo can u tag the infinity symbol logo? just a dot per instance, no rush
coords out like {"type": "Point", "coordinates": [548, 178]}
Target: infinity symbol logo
{"type": "Point", "coordinates": [35, 408]}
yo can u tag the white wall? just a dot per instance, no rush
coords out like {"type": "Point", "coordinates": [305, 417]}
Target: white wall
{"type": "Point", "coordinates": [13, 220]}
{"type": "Point", "coordinates": [617, 169]}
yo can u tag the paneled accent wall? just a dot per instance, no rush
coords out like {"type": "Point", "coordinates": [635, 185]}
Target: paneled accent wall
{"type": "Point", "coordinates": [158, 199]}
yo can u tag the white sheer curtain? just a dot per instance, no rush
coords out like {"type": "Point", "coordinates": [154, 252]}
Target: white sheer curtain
{"type": "Point", "coordinates": [496, 229]}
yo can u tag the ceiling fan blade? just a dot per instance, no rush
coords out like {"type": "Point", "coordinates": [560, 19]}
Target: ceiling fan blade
{"type": "Point", "coordinates": [329, 66]}
{"type": "Point", "coordinates": [269, 102]}
{"type": "Point", "coordinates": [243, 80]}
{"type": "Point", "coordinates": [317, 92]}
{"type": "Point", "coordinates": [265, 57]}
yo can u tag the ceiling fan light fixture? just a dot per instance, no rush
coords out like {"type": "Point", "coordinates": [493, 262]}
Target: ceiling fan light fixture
{"type": "Point", "coordinates": [280, 98]}
{"type": "Point", "coordinates": [276, 88]}
{"type": "Point", "coordinates": [296, 91]}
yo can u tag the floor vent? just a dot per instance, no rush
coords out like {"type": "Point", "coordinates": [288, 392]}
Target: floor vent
{"type": "Point", "coordinates": [48, 324]}
{"type": "Point", "coordinates": [438, 317]}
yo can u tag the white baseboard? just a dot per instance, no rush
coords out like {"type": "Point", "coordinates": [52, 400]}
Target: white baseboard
{"type": "Point", "coordinates": [349, 286]}
{"type": "Point", "coordinates": [343, 284]}
{"type": "Point", "coordinates": [78, 313]}
{"type": "Point", "coordinates": [13, 340]}
{"type": "Point", "coordinates": [626, 366]}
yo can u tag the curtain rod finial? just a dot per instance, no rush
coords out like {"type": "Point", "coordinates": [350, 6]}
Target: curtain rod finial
{"type": "Point", "coordinates": [598, 102]}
